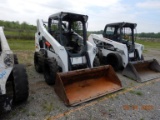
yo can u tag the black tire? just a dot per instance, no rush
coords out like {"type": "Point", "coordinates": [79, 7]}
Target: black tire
{"type": "Point", "coordinates": [38, 61]}
{"type": "Point", "coordinates": [100, 57]}
{"type": "Point", "coordinates": [114, 60]}
{"type": "Point", "coordinates": [15, 59]}
{"type": "Point", "coordinates": [20, 84]}
{"type": "Point", "coordinates": [96, 62]}
{"type": "Point", "coordinates": [50, 70]}
{"type": "Point", "coordinates": [142, 57]}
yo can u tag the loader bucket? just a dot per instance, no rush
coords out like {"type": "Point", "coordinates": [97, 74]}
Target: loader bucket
{"type": "Point", "coordinates": [79, 86]}
{"type": "Point", "coordinates": [142, 71]}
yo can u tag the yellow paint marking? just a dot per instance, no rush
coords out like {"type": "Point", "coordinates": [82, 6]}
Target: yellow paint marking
{"type": "Point", "coordinates": [102, 99]}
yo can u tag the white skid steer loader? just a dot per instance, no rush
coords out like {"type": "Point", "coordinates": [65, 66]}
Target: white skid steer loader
{"type": "Point", "coordinates": [67, 60]}
{"type": "Point", "coordinates": [117, 47]}
{"type": "Point", "coordinates": [13, 77]}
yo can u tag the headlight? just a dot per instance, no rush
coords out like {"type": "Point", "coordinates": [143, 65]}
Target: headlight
{"type": "Point", "coordinates": [8, 59]}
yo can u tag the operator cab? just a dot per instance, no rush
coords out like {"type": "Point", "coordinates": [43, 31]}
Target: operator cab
{"type": "Point", "coordinates": [122, 32]}
{"type": "Point", "coordinates": [69, 29]}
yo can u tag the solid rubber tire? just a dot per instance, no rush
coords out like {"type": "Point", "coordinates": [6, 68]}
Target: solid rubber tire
{"type": "Point", "coordinates": [142, 57]}
{"type": "Point", "coordinates": [15, 59]}
{"type": "Point", "coordinates": [20, 83]}
{"type": "Point", "coordinates": [96, 62]}
{"type": "Point", "coordinates": [114, 60]}
{"type": "Point", "coordinates": [38, 61]}
{"type": "Point", "coordinates": [50, 70]}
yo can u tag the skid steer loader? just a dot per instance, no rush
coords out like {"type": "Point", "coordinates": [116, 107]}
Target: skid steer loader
{"type": "Point", "coordinates": [117, 47]}
{"type": "Point", "coordinates": [13, 77]}
{"type": "Point", "coordinates": [67, 60]}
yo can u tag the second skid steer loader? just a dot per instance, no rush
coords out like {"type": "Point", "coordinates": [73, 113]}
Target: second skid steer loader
{"type": "Point", "coordinates": [67, 60]}
{"type": "Point", "coordinates": [117, 47]}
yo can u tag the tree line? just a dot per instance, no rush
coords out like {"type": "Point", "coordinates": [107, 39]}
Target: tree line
{"type": "Point", "coordinates": [17, 30]}
{"type": "Point", "coordinates": [149, 35]}
{"type": "Point", "coordinates": [17, 25]}
{"type": "Point", "coordinates": [140, 35]}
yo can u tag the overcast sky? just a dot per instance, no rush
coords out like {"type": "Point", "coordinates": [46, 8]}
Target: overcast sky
{"type": "Point", "coordinates": [146, 13]}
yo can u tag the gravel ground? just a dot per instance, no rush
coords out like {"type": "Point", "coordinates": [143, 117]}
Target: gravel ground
{"type": "Point", "coordinates": [137, 101]}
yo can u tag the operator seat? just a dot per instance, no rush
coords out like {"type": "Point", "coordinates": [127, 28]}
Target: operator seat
{"type": "Point", "coordinates": [64, 41]}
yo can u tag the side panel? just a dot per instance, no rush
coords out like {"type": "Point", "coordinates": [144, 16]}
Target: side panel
{"type": "Point", "coordinates": [108, 46]}
{"type": "Point", "coordinates": [59, 51]}
{"type": "Point", "coordinates": [92, 51]}
{"type": "Point", "coordinates": [63, 63]}
{"type": "Point", "coordinates": [139, 48]}
{"type": "Point", "coordinates": [4, 74]}
{"type": "Point", "coordinates": [6, 62]}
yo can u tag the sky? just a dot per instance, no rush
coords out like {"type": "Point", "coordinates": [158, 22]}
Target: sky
{"type": "Point", "coordinates": [146, 13]}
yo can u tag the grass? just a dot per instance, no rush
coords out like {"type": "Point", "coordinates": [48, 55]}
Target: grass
{"type": "Point", "coordinates": [11, 33]}
{"type": "Point", "coordinates": [21, 44]}
{"type": "Point", "coordinates": [142, 119]}
{"type": "Point", "coordinates": [149, 44]}
{"type": "Point", "coordinates": [14, 113]}
{"type": "Point", "coordinates": [145, 51]}
{"type": "Point", "coordinates": [19, 34]}
{"type": "Point", "coordinates": [23, 110]}
{"type": "Point", "coordinates": [110, 110]}
{"type": "Point", "coordinates": [31, 114]}
{"type": "Point", "coordinates": [48, 107]}
{"type": "Point", "coordinates": [131, 84]}
{"type": "Point", "coordinates": [29, 44]}
{"type": "Point", "coordinates": [25, 57]}
{"type": "Point", "coordinates": [136, 93]}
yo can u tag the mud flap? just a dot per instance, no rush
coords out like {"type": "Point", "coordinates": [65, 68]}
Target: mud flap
{"type": "Point", "coordinates": [79, 86]}
{"type": "Point", "coordinates": [142, 71]}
